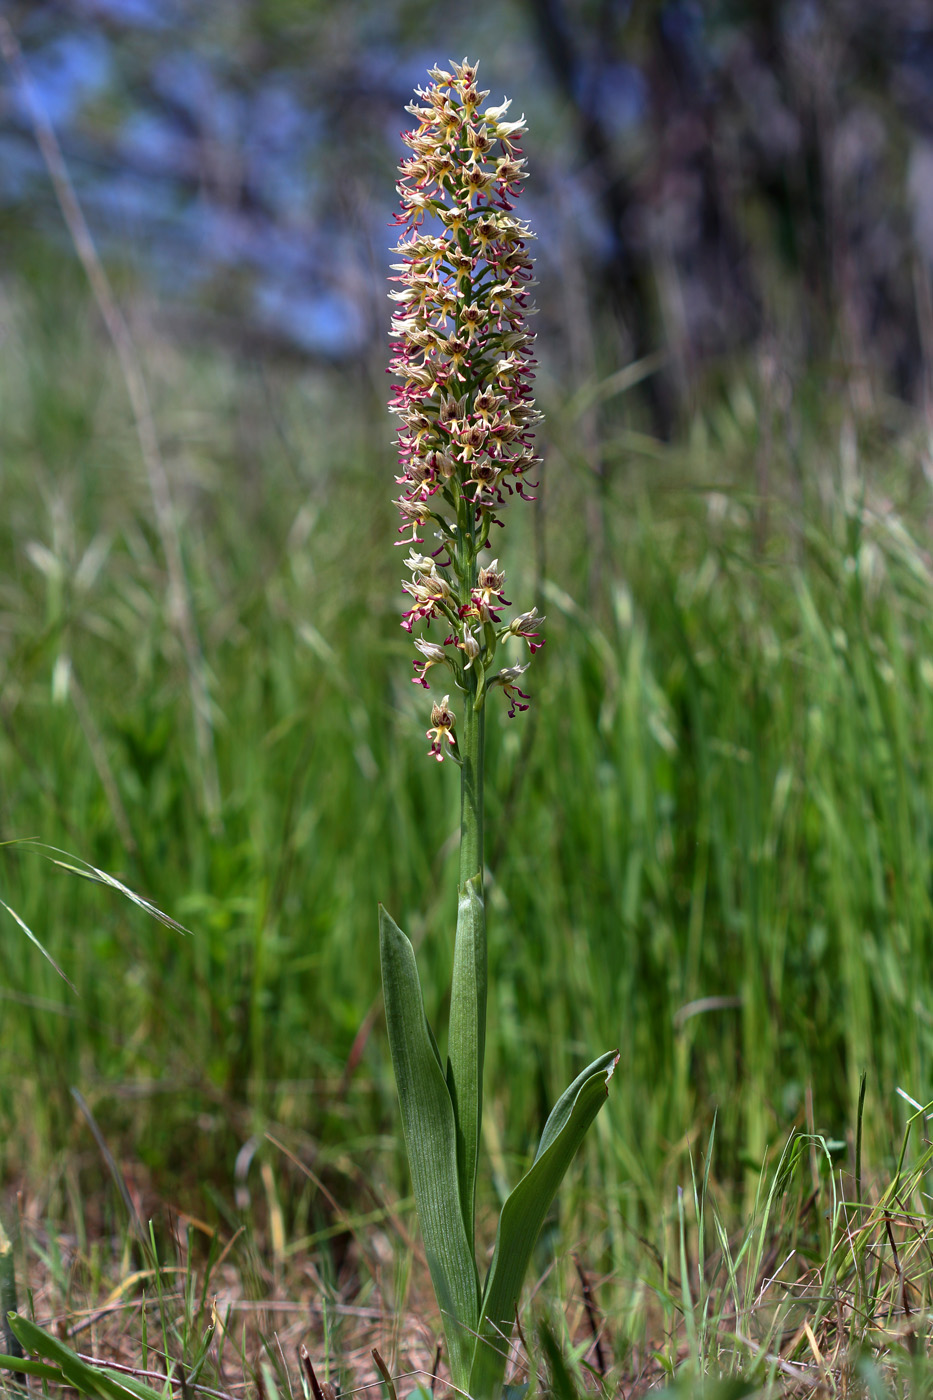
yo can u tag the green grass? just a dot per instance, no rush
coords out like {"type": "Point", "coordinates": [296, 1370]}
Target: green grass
{"type": "Point", "coordinates": [710, 839]}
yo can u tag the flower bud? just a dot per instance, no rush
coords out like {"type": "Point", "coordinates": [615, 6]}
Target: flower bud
{"type": "Point", "coordinates": [469, 646]}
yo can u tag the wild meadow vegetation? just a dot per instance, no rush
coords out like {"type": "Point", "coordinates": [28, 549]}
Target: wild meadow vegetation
{"type": "Point", "coordinates": [709, 843]}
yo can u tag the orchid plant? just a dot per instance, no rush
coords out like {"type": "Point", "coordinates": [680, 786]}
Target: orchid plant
{"type": "Point", "coordinates": [463, 359]}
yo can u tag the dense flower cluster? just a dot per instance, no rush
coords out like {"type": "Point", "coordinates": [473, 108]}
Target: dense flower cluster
{"type": "Point", "coordinates": [463, 356]}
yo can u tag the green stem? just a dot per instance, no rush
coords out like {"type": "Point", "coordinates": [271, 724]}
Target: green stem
{"type": "Point", "coordinates": [466, 1041]}
{"type": "Point", "coordinates": [472, 754]}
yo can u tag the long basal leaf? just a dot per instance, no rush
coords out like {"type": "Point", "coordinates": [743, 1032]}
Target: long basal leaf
{"type": "Point", "coordinates": [431, 1141]}
{"type": "Point", "coordinates": [466, 1041]}
{"type": "Point", "coordinates": [560, 1114]}
{"type": "Point", "coordinates": [523, 1215]}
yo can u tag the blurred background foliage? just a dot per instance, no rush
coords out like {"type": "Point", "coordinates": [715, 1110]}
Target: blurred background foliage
{"type": "Point", "coordinates": [710, 838]}
{"type": "Point", "coordinates": [709, 179]}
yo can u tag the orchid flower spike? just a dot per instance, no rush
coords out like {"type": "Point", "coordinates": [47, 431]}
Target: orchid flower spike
{"type": "Point", "coordinates": [462, 359]}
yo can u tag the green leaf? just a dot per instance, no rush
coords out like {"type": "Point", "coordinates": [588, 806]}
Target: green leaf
{"type": "Point", "coordinates": [431, 1142]}
{"type": "Point", "coordinates": [523, 1215]}
{"type": "Point", "coordinates": [87, 1379]}
{"type": "Point", "coordinates": [466, 1042]}
{"type": "Point", "coordinates": [32, 1368]}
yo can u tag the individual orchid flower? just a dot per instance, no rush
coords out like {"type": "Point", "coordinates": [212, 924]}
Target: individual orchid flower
{"type": "Point", "coordinates": [487, 596]}
{"type": "Point", "coordinates": [508, 679]}
{"type": "Point", "coordinates": [523, 626]}
{"type": "Point", "coordinates": [441, 730]}
{"type": "Point", "coordinates": [420, 564]}
{"type": "Point", "coordinates": [432, 594]}
{"type": "Point", "coordinates": [433, 654]}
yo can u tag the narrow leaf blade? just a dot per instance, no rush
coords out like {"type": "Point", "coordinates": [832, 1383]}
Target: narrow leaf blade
{"type": "Point", "coordinates": [32, 1368]}
{"type": "Point", "coordinates": [33, 939]}
{"type": "Point", "coordinates": [431, 1141]}
{"type": "Point", "coordinates": [523, 1215]}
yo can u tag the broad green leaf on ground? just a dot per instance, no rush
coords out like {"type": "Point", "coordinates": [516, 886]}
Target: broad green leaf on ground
{"type": "Point", "coordinates": [89, 1380]}
{"type": "Point", "coordinates": [431, 1141]}
{"type": "Point", "coordinates": [466, 1041]}
{"type": "Point", "coordinates": [522, 1217]}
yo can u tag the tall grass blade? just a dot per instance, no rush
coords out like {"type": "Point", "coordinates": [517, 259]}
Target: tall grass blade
{"type": "Point", "coordinates": [33, 939]}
